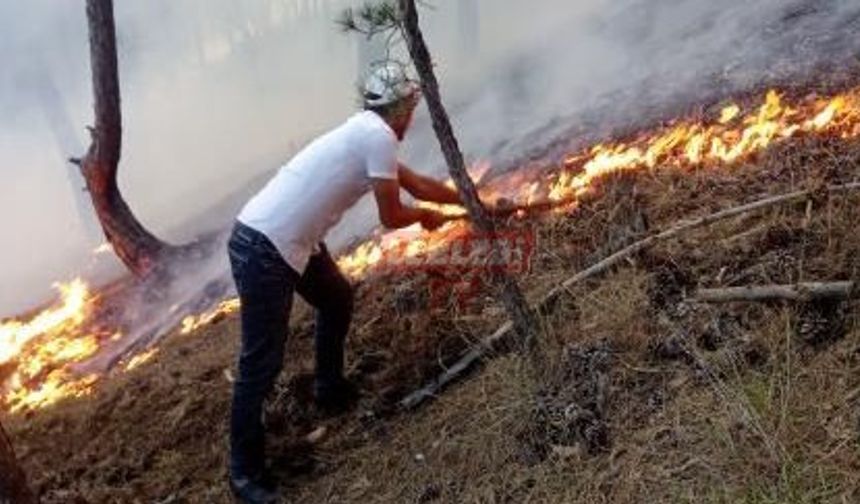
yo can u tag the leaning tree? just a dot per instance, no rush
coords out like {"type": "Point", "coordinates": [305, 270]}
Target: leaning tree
{"type": "Point", "coordinates": [141, 251]}
{"type": "Point", "coordinates": [138, 249]}
{"type": "Point", "coordinates": [390, 18]}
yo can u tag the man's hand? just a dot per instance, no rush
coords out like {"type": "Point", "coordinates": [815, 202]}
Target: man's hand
{"type": "Point", "coordinates": [395, 215]}
{"type": "Point", "coordinates": [432, 220]}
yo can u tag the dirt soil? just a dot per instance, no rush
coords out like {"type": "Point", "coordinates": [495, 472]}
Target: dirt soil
{"type": "Point", "coordinates": [647, 396]}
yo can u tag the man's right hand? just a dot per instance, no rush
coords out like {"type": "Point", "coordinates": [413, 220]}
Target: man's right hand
{"type": "Point", "coordinates": [394, 215]}
{"type": "Point", "coordinates": [432, 220]}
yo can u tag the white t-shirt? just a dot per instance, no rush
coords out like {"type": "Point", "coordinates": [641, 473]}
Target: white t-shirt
{"type": "Point", "coordinates": [309, 194]}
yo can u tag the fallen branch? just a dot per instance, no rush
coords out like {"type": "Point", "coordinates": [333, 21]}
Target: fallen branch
{"type": "Point", "coordinates": [485, 347]}
{"type": "Point", "coordinates": [460, 368]}
{"type": "Point", "coordinates": [797, 292]}
{"type": "Point", "coordinates": [689, 225]}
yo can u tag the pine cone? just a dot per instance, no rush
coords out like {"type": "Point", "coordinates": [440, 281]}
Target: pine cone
{"type": "Point", "coordinates": [820, 322]}
{"type": "Point", "coordinates": [784, 266]}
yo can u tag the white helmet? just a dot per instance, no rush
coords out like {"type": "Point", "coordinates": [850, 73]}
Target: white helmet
{"type": "Point", "coordinates": [387, 83]}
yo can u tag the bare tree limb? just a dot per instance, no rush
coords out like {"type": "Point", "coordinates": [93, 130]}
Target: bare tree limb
{"type": "Point", "coordinates": [689, 225]}
{"type": "Point", "coordinates": [466, 363]}
{"type": "Point", "coordinates": [805, 291]}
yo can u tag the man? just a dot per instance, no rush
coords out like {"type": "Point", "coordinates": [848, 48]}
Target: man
{"type": "Point", "coordinates": [276, 249]}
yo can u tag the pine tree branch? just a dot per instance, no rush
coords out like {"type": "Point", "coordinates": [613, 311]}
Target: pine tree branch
{"type": "Point", "coordinates": [370, 19]}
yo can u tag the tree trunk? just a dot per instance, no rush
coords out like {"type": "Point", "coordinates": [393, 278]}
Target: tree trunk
{"type": "Point", "coordinates": [136, 247]}
{"type": "Point", "coordinates": [511, 295]}
{"type": "Point", "coordinates": [13, 482]}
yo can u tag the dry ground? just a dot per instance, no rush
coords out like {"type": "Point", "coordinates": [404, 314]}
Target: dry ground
{"type": "Point", "coordinates": [647, 397]}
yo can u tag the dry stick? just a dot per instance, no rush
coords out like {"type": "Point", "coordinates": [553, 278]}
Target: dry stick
{"type": "Point", "coordinates": [484, 348]}
{"type": "Point", "coordinates": [805, 291]}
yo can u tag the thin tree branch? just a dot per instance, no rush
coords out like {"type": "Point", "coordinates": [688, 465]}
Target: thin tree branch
{"type": "Point", "coordinates": [805, 291]}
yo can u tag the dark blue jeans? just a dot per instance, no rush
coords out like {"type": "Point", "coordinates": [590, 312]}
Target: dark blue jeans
{"type": "Point", "coordinates": [265, 284]}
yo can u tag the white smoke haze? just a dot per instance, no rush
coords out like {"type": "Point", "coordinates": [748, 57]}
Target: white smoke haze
{"type": "Point", "coordinates": [217, 94]}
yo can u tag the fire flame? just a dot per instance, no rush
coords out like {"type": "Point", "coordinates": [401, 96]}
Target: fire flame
{"type": "Point", "coordinates": [192, 322]}
{"type": "Point", "coordinates": [37, 356]}
{"type": "Point", "coordinates": [57, 385]}
{"type": "Point", "coordinates": [14, 334]}
{"type": "Point", "coordinates": [690, 143]}
{"type": "Point", "coordinates": [141, 359]}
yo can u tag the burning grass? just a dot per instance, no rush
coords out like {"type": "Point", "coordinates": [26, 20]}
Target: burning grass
{"type": "Point", "coordinates": [648, 397]}
{"type": "Point", "coordinates": [717, 139]}
{"type": "Point", "coordinates": [39, 354]}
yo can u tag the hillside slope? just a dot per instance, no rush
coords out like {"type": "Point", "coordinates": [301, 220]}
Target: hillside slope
{"type": "Point", "coordinates": [649, 397]}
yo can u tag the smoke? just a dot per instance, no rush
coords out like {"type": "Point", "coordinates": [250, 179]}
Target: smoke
{"type": "Point", "coordinates": [597, 68]}
{"type": "Point", "coordinates": [217, 94]}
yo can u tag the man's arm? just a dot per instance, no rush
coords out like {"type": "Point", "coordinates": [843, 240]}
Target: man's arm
{"type": "Point", "coordinates": [395, 215]}
{"type": "Point", "coordinates": [426, 188]}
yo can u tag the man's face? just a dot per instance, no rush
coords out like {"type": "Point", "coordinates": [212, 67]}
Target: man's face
{"type": "Point", "coordinates": [401, 120]}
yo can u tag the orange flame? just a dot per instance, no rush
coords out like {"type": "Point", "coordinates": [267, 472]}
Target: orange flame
{"type": "Point", "coordinates": [57, 385]}
{"type": "Point", "coordinates": [193, 322]}
{"type": "Point", "coordinates": [41, 350]}
{"type": "Point", "coordinates": [141, 359]}
{"type": "Point", "coordinates": [690, 143]}
{"type": "Point", "coordinates": [71, 313]}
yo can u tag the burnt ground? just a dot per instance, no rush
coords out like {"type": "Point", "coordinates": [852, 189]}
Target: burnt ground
{"type": "Point", "coordinates": [646, 395]}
